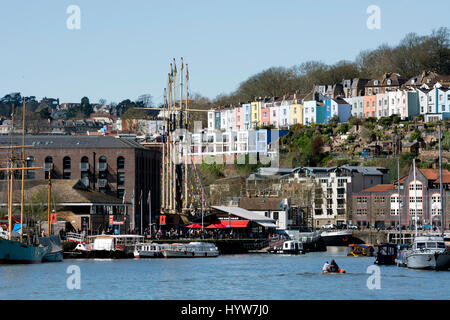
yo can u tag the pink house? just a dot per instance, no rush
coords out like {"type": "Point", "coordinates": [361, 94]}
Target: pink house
{"type": "Point", "coordinates": [238, 121]}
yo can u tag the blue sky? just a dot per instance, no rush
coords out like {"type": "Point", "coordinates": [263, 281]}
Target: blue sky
{"type": "Point", "coordinates": [124, 48]}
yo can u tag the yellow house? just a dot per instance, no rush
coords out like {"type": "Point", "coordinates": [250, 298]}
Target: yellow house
{"type": "Point", "coordinates": [255, 116]}
{"type": "Point", "coordinates": [296, 110]}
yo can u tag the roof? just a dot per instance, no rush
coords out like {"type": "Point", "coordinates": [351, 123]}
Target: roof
{"type": "Point", "coordinates": [380, 188]}
{"type": "Point", "coordinates": [260, 203]}
{"type": "Point", "coordinates": [68, 191]}
{"type": "Point", "coordinates": [433, 175]}
{"type": "Point", "coordinates": [370, 171]}
{"type": "Point", "coordinates": [242, 213]}
{"type": "Point", "coordinates": [67, 141]}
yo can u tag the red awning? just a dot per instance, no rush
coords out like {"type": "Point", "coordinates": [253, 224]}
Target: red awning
{"type": "Point", "coordinates": [215, 226]}
{"type": "Point", "coordinates": [235, 223]}
{"type": "Point", "coordinates": [194, 226]}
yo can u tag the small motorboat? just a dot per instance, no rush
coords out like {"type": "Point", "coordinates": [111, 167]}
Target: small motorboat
{"type": "Point", "coordinates": [386, 254]}
{"type": "Point", "coordinates": [338, 271]}
{"type": "Point", "coordinates": [360, 250]}
{"type": "Point", "coordinates": [288, 247]}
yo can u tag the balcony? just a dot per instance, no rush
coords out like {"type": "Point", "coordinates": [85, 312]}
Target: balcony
{"type": "Point", "coordinates": [102, 183]}
{"type": "Point", "coordinates": [84, 166]}
{"type": "Point", "coordinates": [341, 195]}
{"type": "Point", "coordinates": [102, 166]}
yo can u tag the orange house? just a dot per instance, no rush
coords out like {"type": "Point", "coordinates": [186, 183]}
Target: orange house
{"type": "Point", "coordinates": [370, 106]}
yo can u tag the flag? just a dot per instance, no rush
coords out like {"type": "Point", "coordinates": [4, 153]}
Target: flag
{"type": "Point", "coordinates": [148, 198]}
{"type": "Point", "coordinates": [187, 73]}
{"type": "Point", "coordinates": [182, 64]}
{"type": "Point", "coordinates": [123, 198]}
{"type": "Point", "coordinates": [175, 68]}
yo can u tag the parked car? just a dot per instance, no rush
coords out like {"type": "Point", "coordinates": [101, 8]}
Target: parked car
{"type": "Point", "coordinates": [329, 226]}
{"type": "Point", "coordinates": [353, 226]}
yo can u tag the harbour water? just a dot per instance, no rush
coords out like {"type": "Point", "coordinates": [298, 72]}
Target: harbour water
{"type": "Point", "coordinates": [249, 276]}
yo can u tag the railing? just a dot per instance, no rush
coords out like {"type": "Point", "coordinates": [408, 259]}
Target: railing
{"type": "Point", "coordinates": [75, 237]}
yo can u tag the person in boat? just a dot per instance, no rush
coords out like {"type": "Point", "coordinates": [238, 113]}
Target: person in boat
{"type": "Point", "coordinates": [333, 266]}
{"type": "Point", "coordinates": [326, 267]}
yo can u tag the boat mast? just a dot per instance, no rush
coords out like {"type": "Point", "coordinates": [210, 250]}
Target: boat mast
{"type": "Point", "coordinates": [23, 171]}
{"type": "Point", "coordinates": [11, 175]}
{"type": "Point", "coordinates": [399, 202]}
{"type": "Point", "coordinates": [49, 195]}
{"type": "Point", "coordinates": [415, 196]}
{"type": "Point", "coordinates": [440, 184]}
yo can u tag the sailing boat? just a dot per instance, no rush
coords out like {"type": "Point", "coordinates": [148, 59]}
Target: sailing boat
{"type": "Point", "coordinates": [13, 248]}
{"type": "Point", "coordinates": [53, 242]}
{"type": "Point", "coordinates": [428, 252]}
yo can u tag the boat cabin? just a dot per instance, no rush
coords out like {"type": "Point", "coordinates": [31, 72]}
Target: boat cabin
{"type": "Point", "coordinates": [114, 242]}
{"type": "Point", "coordinates": [387, 253]}
{"type": "Point", "coordinates": [430, 243]}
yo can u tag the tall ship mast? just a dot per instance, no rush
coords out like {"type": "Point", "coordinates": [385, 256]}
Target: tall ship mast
{"type": "Point", "coordinates": [14, 248]}
{"type": "Point", "coordinates": [182, 192]}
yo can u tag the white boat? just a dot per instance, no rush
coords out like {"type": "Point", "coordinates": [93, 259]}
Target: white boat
{"type": "Point", "coordinates": [289, 247]}
{"type": "Point", "coordinates": [428, 252]}
{"type": "Point", "coordinates": [149, 250]}
{"type": "Point", "coordinates": [191, 250]}
{"type": "Point", "coordinates": [114, 246]}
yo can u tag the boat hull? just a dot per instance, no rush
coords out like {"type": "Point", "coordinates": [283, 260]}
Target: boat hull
{"type": "Point", "coordinates": [54, 257]}
{"type": "Point", "coordinates": [428, 260]}
{"type": "Point", "coordinates": [188, 254]}
{"type": "Point", "coordinates": [148, 254]}
{"type": "Point", "coordinates": [12, 252]}
{"type": "Point", "coordinates": [339, 238]}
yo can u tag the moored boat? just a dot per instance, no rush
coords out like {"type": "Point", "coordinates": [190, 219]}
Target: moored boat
{"type": "Point", "coordinates": [55, 251]}
{"type": "Point", "coordinates": [338, 238]}
{"type": "Point", "coordinates": [428, 252]}
{"type": "Point", "coordinates": [191, 250]}
{"type": "Point", "coordinates": [12, 251]}
{"type": "Point", "coordinates": [114, 246]}
{"type": "Point", "coordinates": [386, 254]}
{"type": "Point", "coordinates": [149, 250]}
{"type": "Point", "coordinates": [360, 250]}
{"type": "Point", "coordinates": [288, 247]}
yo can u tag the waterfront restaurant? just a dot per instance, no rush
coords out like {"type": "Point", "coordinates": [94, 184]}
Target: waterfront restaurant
{"type": "Point", "coordinates": [242, 222]}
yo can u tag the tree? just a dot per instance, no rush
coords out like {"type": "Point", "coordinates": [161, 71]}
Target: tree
{"type": "Point", "coordinates": [44, 113]}
{"type": "Point", "coordinates": [86, 107]}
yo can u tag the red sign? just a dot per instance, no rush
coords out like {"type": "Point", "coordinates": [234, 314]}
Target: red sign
{"type": "Point", "coordinates": [53, 218]}
{"type": "Point", "coordinates": [117, 222]}
{"type": "Point", "coordinates": [111, 219]}
{"type": "Point", "coordinates": [162, 220]}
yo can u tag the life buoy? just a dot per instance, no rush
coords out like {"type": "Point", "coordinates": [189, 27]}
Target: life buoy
{"type": "Point", "coordinates": [118, 246]}
{"type": "Point", "coordinates": [345, 239]}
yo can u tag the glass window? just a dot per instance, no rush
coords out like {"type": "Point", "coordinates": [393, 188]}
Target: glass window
{"type": "Point", "coordinates": [66, 163]}
{"type": "Point", "coordinates": [120, 179]}
{"type": "Point", "coordinates": [120, 163]}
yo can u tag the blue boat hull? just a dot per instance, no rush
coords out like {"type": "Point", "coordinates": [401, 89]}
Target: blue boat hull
{"type": "Point", "coordinates": [16, 252]}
